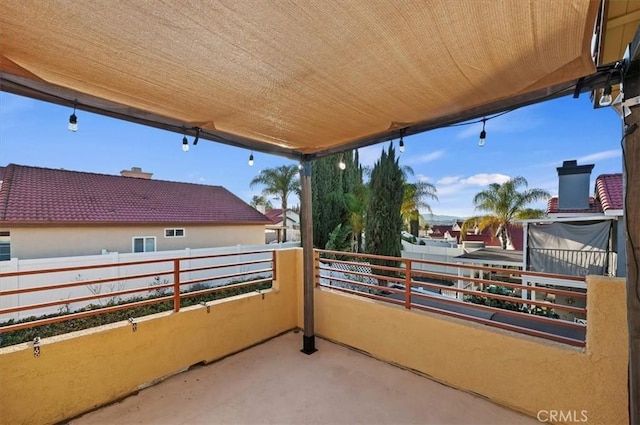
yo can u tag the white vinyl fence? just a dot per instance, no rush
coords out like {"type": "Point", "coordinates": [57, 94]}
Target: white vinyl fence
{"type": "Point", "coordinates": [161, 273]}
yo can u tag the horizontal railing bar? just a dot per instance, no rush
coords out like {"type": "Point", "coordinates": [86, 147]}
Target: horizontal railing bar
{"type": "Point", "coordinates": [79, 315]}
{"type": "Point", "coordinates": [222, 266]}
{"type": "Point", "coordinates": [228, 254]}
{"type": "Point", "coordinates": [371, 275]}
{"type": "Point", "coordinates": [534, 317]}
{"type": "Point", "coordinates": [452, 265]}
{"type": "Point", "coordinates": [371, 266]}
{"type": "Point", "coordinates": [225, 276]}
{"type": "Point", "coordinates": [81, 283]}
{"type": "Point", "coordinates": [501, 283]}
{"type": "Point", "coordinates": [364, 294]}
{"type": "Point", "coordinates": [368, 285]}
{"type": "Point", "coordinates": [124, 264]}
{"type": "Point", "coordinates": [506, 326]}
{"type": "Point", "coordinates": [223, 288]}
{"type": "Point", "coordinates": [79, 299]}
{"type": "Point", "coordinates": [504, 297]}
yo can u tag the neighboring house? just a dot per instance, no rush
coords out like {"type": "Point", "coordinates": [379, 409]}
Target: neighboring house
{"type": "Point", "coordinates": [584, 234]}
{"type": "Point", "coordinates": [276, 217]}
{"type": "Point", "coordinates": [54, 213]}
{"type": "Point", "coordinates": [275, 230]}
{"type": "Point", "coordinates": [515, 241]}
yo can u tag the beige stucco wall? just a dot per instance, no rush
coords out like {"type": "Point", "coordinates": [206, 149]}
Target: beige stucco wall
{"type": "Point", "coordinates": [35, 242]}
{"type": "Point", "coordinates": [524, 373]}
{"type": "Point", "coordinates": [78, 371]}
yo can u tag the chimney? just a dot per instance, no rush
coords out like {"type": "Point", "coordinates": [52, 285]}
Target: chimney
{"type": "Point", "coordinates": [573, 185]}
{"type": "Point", "coordinates": [137, 173]}
{"type": "Point", "coordinates": [260, 208]}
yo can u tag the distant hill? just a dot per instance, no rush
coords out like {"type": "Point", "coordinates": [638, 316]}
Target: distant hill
{"type": "Point", "coordinates": [439, 219]}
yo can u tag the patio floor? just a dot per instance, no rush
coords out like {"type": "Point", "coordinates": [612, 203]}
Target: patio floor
{"type": "Point", "coordinates": [274, 383]}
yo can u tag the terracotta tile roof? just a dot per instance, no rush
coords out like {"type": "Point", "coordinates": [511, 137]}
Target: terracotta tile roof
{"type": "Point", "coordinates": [275, 215]}
{"type": "Point", "coordinates": [609, 190]}
{"type": "Point", "coordinates": [594, 207]}
{"type": "Point", "coordinates": [42, 195]}
{"type": "Point", "coordinates": [515, 232]}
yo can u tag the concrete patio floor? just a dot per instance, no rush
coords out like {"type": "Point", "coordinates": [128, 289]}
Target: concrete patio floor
{"type": "Point", "coordinates": [274, 383]}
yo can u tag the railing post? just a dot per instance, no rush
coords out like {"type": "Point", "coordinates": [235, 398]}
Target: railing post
{"type": "Point", "coordinates": [407, 285]}
{"type": "Point", "coordinates": [273, 265]}
{"type": "Point", "coordinates": [176, 285]}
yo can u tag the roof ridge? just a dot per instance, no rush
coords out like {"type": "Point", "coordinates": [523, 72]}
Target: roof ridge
{"type": "Point", "coordinates": [110, 175]}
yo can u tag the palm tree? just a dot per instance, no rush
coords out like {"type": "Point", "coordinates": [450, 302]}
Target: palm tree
{"type": "Point", "coordinates": [279, 183]}
{"type": "Point", "coordinates": [260, 200]}
{"type": "Point", "coordinates": [414, 200]}
{"type": "Point", "coordinates": [504, 203]}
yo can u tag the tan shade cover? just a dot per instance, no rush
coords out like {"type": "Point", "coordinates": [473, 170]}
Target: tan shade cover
{"type": "Point", "coordinates": [305, 75]}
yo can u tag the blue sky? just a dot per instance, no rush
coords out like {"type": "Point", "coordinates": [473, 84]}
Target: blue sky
{"type": "Point", "coordinates": [529, 142]}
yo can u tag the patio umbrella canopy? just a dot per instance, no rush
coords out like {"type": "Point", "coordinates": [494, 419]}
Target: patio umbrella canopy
{"type": "Point", "coordinates": [293, 77]}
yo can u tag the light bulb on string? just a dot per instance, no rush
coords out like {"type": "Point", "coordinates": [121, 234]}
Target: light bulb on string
{"type": "Point", "coordinates": [342, 165]}
{"type": "Point", "coordinates": [401, 144]}
{"type": "Point", "coordinates": [73, 119]}
{"type": "Point", "coordinates": [250, 162]}
{"type": "Point", "coordinates": [185, 144]}
{"type": "Point", "coordinates": [483, 134]}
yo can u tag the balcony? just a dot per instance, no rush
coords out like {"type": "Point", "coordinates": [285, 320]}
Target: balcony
{"type": "Point", "coordinates": [275, 383]}
{"type": "Point", "coordinates": [68, 375]}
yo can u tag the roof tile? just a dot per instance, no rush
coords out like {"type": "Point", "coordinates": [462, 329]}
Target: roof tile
{"type": "Point", "coordinates": [609, 190]}
{"type": "Point", "coordinates": [42, 195]}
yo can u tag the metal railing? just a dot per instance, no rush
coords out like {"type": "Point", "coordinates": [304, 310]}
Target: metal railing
{"type": "Point", "coordinates": [573, 262]}
{"type": "Point", "coordinates": [506, 303]}
{"type": "Point", "coordinates": [175, 271]}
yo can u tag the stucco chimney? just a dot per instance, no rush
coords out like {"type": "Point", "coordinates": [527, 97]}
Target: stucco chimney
{"type": "Point", "coordinates": [573, 185]}
{"type": "Point", "coordinates": [260, 208]}
{"type": "Point", "coordinates": [137, 173]}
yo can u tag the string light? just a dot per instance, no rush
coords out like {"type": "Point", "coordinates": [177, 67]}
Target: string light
{"type": "Point", "coordinates": [401, 144]}
{"type": "Point", "coordinates": [342, 165]}
{"type": "Point", "coordinates": [185, 144]}
{"type": "Point", "coordinates": [251, 160]}
{"type": "Point", "coordinates": [73, 119]}
{"type": "Point", "coordinates": [483, 134]}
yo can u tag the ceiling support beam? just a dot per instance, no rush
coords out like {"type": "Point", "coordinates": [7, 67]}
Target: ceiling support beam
{"type": "Point", "coordinates": [47, 92]}
{"type": "Point", "coordinates": [631, 158]}
{"type": "Point", "coordinates": [308, 259]}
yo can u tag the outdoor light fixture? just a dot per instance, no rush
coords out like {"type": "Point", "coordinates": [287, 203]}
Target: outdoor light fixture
{"type": "Point", "coordinates": [195, 141]}
{"type": "Point", "coordinates": [483, 134]}
{"type": "Point", "coordinates": [401, 145]}
{"type": "Point", "coordinates": [185, 144]}
{"type": "Point", "coordinates": [73, 119]}
{"type": "Point", "coordinates": [251, 160]}
{"type": "Point", "coordinates": [342, 164]}
{"type": "Point", "coordinates": [606, 99]}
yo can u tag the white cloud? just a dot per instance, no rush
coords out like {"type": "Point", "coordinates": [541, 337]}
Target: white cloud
{"type": "Point", "coordinates": [423, 178]}
{"type": "Point", "coordinates": [449, 180]}
{"type": "Point", "coordinates": [599, 156]}
{"type": "Point", "coordinates": [481, 179]}
{"type": "Point", "coordinates": [423, 159]}
{"type": "Point", "coordinates": [484, 179]}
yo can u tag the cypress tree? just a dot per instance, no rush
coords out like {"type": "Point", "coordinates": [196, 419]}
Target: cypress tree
{"type": "Point", "coordinates": [383, 218]}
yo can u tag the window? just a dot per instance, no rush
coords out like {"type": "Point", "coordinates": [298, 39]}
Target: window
{"type": "Point", "coordinates": [174, 233]}
{"type": "Point", "coordinates": [144, 244]}
{"type": "Point", "coordinates": [5, 246]}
